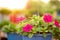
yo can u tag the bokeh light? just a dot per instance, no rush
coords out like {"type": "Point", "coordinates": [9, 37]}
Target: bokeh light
{"type": "Point", "coordinates": [13, 4]}
{"type": "Point", "coordinates": [45, 1]}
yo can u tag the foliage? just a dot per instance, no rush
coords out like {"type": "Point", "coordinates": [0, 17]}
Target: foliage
{"type": "Point", "coordinates": [40, 8]}
{"type": "Point", "coordinates": [56, 32]}
{"type": "Point", "coordinates": [39, 26]}
{"type": "Point", "coordinates": [57, 4]}
{"type": "Point", "coordinates": [3, 23]}
{"type": "Point", "coordinates": [5, 11]}
{"type": "Point", "coordinates": [35, 25]}
{"type": "Point", "coordinates": [11, 28]}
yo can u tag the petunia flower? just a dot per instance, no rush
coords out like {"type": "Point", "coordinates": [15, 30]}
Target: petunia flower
{"type": "Point", "coordinates": [56, 23]}
{"type": "Point", "coordinates": [21, 18]}
{"type": "Point", "coordinates": [47, 18]}
{"type": "Point", "coordinates": [27, 28]}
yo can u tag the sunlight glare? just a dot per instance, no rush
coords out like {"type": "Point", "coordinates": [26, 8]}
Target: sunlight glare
{"type": "Point", "coordinates": [13, 4]}
{"type": "Point", "coordinates": [45, 1]}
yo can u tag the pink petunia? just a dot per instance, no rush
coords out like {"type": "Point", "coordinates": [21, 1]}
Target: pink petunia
{"type": "Point", "coordinates": [27, 28]}
{"type": "Point", "coordinates": [47, 18]}
{"type": "Point", "coordinates": [21, 18]}
{"type": "Point", "coordinates": [56, 23]}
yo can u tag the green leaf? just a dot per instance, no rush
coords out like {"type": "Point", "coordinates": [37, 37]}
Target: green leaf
{"type": "Point", "coordinates": [30, 35]}
{"type": "Point", "coordinates": [5, 28]}
{"type": "Point", "coordinates": [24, 33]}
{"type": "Point", "coordinates": [34, 30]}
{"type": "Point", "coordinates": [44, 35]}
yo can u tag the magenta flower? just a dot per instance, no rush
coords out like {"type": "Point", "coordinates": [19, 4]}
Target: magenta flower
{"type": "Point", "coordinates": [56, 23]}
{"type": "Point", "coordinates": [20, 19]}
{"type": "Point", "coordinates": [47, 18]}
{"type": "Point", "coordinates": [27, 28]}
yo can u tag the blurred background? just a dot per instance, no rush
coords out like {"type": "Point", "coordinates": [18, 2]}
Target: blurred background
{"type": "Point", "coordinates": [28, 8]}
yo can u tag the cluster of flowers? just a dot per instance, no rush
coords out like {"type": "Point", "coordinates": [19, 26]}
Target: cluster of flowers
{"type": "Point", "coordinates": [16, 19]}
{"type": "Point", "coordinates": [28, 27]}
